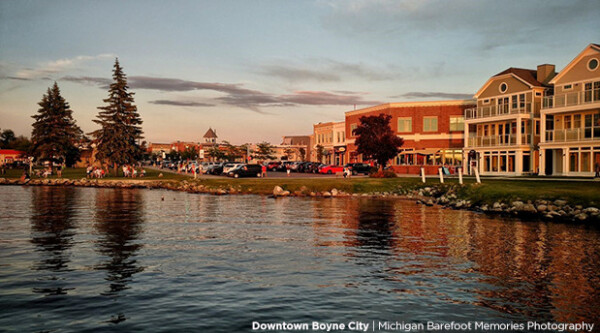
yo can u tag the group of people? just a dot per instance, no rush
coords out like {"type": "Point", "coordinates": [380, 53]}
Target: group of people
{"type": "Point", "coordinates": [95, 172]}
{"type": "Point", "coordinates": [130, 171]}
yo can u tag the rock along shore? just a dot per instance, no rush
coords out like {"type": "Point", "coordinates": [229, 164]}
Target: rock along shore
{"type": "Point", "coordinates": [557, 210]}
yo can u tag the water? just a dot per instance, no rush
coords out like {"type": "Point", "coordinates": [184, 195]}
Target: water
{"type": "Point", "coordinates": [83, 260]}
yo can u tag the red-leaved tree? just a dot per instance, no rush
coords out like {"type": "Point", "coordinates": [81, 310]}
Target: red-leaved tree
{"type": "Point", "coordinates": [376, 140]}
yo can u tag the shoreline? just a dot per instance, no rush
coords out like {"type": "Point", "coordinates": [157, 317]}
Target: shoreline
{"type": "Point", "coordinates": [445, 195]}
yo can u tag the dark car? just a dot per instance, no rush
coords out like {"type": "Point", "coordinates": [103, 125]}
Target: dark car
{"type": "Point", "coordinates": [357, 168]}
{"type": "Point", "coordinates": [216, 169]}
{"type": "Point", "coordinates": [246, 170]}
{"type": "Point", "coordinates": [273, 166]}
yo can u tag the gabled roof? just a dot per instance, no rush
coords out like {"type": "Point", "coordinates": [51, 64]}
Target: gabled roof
{"type": "Point", "coordinates": [574, 61]}
{"type": "Point", "coordinates": [527, 76]}
{"type": "Point", "coordinates": [210, 133]}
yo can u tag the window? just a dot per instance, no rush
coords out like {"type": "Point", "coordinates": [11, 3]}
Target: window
{"type": "Point", "coordinates": [457, 123]}
{"type": "Point", "coordinates": [593, 64]}
{"type": "Point", "coordinates": [352, 128]}
{"type": "Point", "coordinates": [486, 101]}
{"type": "Point", "coordinates": [567, 87]}
{"type": "Point", "coordinates": [430, 124]}
{"type": "Point", "coordinates": [404, 125]}
{"type": "Point", "coordinates": [503, 87]}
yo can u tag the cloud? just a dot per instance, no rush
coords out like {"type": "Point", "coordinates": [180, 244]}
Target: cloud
{"type": "Point", "coordinates": [235, 94]}
{"type": "Point", "coordinates": [103, 83]}
{"type": "Point", "coordinates": [324, 98]}
{"type": "Point", "coordinates": [326, 70]}
{"type": "Point", "coordinates": [181, 103]}
{"type": "Point", "coordinates": [44, 70]}
{"type": "Point", "coordinates": [486, 24]}
{"type": "Point", "coordinates": [416, 94]}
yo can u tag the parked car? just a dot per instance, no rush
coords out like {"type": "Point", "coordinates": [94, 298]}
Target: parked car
{"type": "Point", "coordinates": [294, 166]}
{"type": "Point", "coordinates": [284, 166]}
{"type": "Point", "coordinates": [357, 168]}
{"type": "Point", "coordinates": [272, 166]}
{"type": "Point", "coordinates": [230, 166]}
{"type": "Point", "coordinates": [246, 170]}
{"type": "Point", "coordinates": [216, 169]}
{"type": "Point", "coordinates": [330, 169]}
{"type": "Point", "coordinates": [312, 167]}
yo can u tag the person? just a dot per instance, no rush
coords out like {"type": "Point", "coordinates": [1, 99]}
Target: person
{"type": "Point", "coordinates": [597, 175]}
{"type": "Point", "coordinates": [2, 169]}
{"type": "Point", "coordinates": [263, 170]}
{"type": "Point", "coordinates": [59, 170]}
{"type": "Point", "coordinates": [288, 170]}
{"type": "Point", "coordinates": [88, 171]}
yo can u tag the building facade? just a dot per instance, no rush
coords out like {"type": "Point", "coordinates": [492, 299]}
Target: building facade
{"type": "Point", "coordinates": [331, 137]}
{"type": "Point", "coordinates": [433, 133]}
{"type": "Point", "coordinates": [570, 118]}
{"type": "Point", "coordinates": [503, 131]}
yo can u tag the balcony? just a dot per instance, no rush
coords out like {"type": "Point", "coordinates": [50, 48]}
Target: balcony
{"type": "Point", "coordinates": [497, 110]}
{"type": "Point", "coordinates": [573, 134]}
{"type": "Point", "coordinates": [576, 98]}
{"type": "Point", "coordinates": [501, 140]}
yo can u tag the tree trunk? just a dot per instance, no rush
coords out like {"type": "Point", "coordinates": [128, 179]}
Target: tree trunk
{"type": "Point", "coordinates": [116, 168]}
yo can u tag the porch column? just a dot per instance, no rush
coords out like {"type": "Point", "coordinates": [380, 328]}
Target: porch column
{"type": "Point", "coordinates": [566, 166]}
{"type": "Point", "coordinates": [519, 159]}
{"type": "Point", "coordinates": [466, 138]}
{"type": "Point", "coordinates": [542, 154]}
{"type": "Point", "coordinates": [519, 135]}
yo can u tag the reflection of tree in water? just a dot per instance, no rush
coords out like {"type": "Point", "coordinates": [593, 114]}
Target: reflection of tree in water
{"type": "Point", "coordinates": [52, 229]}
{"type": "Point", "coordinates": [118, 221]}
{"type": "Point", "coordinates": [376, 219]}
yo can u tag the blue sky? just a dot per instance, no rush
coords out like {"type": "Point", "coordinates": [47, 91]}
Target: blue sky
{"type": "Point", "coordinates": [258, 70]}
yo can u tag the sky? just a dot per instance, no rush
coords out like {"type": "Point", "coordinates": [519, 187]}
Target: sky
{"type": "Point", "coordinates": [257, 70]}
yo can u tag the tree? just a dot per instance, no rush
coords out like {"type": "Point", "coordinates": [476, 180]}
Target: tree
{"type": "Point", "coordinates": [173, 155]}
{"type": "Point", "coordinates": [215, 153]}
{"type": "Point", "coordinates": [264, 151]}
{"type": "Point", "coordinates": [376, 140]}
{"type": "Point", "coordinates": [231, 152]}
{"type": "Point", "coordinates": [6, 138]}
{"type": "Point", "coordinates": [55, 134]}
{"type": "Point", "coordinates": [320, 153]}
{"type": "Point", "coordinates": [118, 138]}
{"type": "Point", "coordinates": [190, 153]}
{"type": "Point", "coordinates": [289, 152]}
{"type": "Point", "coordinates": [302, 153]}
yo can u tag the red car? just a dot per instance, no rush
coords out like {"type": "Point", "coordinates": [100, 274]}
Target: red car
{"type": "Point", "coordinates": [329, 169]}
{"type": "Point", "coordinates": [273, 166]}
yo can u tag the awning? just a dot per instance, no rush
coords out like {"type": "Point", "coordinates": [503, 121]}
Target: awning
{"type": "Point", "coordinates": [427, 151]}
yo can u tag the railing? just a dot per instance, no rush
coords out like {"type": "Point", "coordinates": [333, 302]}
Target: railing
{"type": "Point", "coordinates": [496, 110]}
{"type": "Point", "coordinates": [573, 134]}
{"type": "Point", "coordinates": [501, 140]}
{"type": "Point", "coordinates": [572, 99]}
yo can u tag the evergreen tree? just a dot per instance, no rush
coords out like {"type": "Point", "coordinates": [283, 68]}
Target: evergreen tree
{"type": "Point", "coordinates": [117, 140]}
{"type": "Point", "coordinates": [55, 134]}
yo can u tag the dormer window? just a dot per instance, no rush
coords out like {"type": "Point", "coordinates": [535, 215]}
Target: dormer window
{"type": "Point", "coordinates": [503, 87]}
{"type": "Point", "coordinates": [592, 64]}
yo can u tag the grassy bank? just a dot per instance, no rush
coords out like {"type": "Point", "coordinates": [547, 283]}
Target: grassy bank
{"type": "Point", "coordinates": [575, 192]}
{"type": "Point", "coordinates": [78, 173]}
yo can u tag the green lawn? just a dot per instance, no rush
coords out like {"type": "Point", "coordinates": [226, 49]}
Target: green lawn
{"type": "Point", "coordinates": [585, 193]}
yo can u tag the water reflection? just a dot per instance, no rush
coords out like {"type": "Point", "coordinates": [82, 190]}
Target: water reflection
{"type": "Point", "coordinates": [52, 231]}
{"type": "Point", "coordinates": [118, 220]}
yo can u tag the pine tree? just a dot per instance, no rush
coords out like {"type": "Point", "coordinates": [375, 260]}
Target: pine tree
{"type": "Point", "coordinates": [55, 133]}
{"type": "Point", "coordinates": [117, 141]}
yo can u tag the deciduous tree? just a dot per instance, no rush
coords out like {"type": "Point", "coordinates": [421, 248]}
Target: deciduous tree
{"type": "Point", "coordinates": [264, 151]}
{"type": "Point", "coordinates": [376, 140]}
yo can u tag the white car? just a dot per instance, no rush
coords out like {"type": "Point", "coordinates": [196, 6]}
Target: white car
{"type": "Point", "coordinates": [230, 166]}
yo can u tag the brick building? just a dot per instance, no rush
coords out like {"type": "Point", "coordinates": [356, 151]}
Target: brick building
{"type": "Point", "coordinates": [432, 132]}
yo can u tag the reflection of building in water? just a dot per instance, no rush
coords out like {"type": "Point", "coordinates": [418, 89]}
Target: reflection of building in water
{"type": "Point", "coordinates": [53, 230]}
{"type": "Point", "coordinates": [119, 220]}
{"type": "Point", "coordinates": [532, 270]}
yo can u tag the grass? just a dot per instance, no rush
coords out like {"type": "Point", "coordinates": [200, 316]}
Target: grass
{"type": "Point", "coordinates": [491, 190]}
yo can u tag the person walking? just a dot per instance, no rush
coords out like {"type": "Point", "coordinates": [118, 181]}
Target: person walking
{"type": "Point", "coordinates": [263, 170]}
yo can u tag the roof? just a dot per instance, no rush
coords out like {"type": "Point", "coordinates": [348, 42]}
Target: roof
{"type": "Point", "coordinates": [210, 133]}
{"type": "Point", "coordinates": [412, 104]}
{"type": "Point", "coordinates": [574, 61]}
{"type": "Point", "coordinates": [527, 75]}
{"type": "Point", "coordinates": [11, 152]}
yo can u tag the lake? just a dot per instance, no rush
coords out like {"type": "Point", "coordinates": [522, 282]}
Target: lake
{"type": "Point", "coordinates": [122, 260]}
